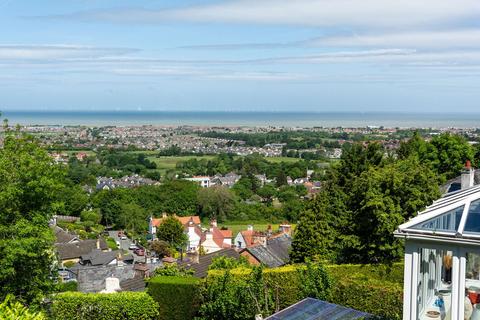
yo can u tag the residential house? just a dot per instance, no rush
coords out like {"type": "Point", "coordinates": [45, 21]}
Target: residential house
{"type": "Point", "coordinates": [200, 264]}
{"type": "Point", "coordinates": [98, 257]}
{"type": "Point", "coordinates": [249, 237]}
{"type": "Point", "coordinates": [228, 180]}
{"type": "Point", "coordinates": [274, 253]}
{"type": "Point", "coordinates": [202, 181]}
{"type": "Point", "coordinates": [73, 251]}
{"type": "Point", "coordinates": [62, 236]}
{"type": "Point", "coordinates": [468, 177]}
{"type": "Point", "coordinates": [211, 239]}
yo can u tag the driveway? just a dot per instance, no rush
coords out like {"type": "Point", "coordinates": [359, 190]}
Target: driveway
{"type": "Point", "coordinates": [125, 244]}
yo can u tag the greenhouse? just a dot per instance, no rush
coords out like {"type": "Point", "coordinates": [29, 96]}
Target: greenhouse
{"type": "Point", "coordinates": [442, 259]}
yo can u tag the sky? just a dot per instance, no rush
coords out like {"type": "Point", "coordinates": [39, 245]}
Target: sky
{"type": "Point", "coordinates": [240, 55]}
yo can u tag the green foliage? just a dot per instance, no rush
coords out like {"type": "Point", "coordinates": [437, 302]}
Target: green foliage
{"type": "Point", "coordinates": [215, 202]}
{"type": "Point", "coordinates": [228, 263]}
{"type": "Point", "coordinates": [67, 286]}
{"type": "Point", "coordinates": [161, 248]}
{"type": "Point", "coordinates": [446, 154]}
{"type": "Point", "coordinates": [91, 216]}
{"type": "Point", "coordinates": [29, 183]}
{"type": "Point", "coordinates": [172, 270]}
{"type": "Point", "coordinates": [363, 202]}
{"type": "Point", "coordinates": [13, 310]}
{"type": "Point", "coordinates": [123, 305]}
{"type": "Point", "coordinates": [171, 230]}
{"type": "Point", "coordinates": [315, 282]}
{"type": "Point", "coordinates": [363, 287]}
{"type": "Point", "coordinates": [178, 297]}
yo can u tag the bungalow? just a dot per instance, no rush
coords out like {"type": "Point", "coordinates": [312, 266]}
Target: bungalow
{"type": "Point", "coordinates": [72, 252]}
{"type": "Point", "coordinates": [273, 254]}
{"type": "Point", "coordinates": [98, 257]}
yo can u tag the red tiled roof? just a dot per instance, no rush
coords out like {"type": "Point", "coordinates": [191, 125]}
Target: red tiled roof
{"type": "Point", "coordinates": [183, 220]}
{"type": "Point", "coordinates": [226, 233]}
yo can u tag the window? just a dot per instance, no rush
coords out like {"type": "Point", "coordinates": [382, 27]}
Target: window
{"type": "Point", "coordinates": [434, 283]}
{"type": "Point", "coordinates": [448, 221]}
{"type": "Point", "coordinates": [473, 218]}
{"type": "Point", "coordinates": [472, 284]}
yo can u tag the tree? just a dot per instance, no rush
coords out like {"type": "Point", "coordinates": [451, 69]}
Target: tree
{"type": "Point", "coordinates": [216, 202]}
{"type": "Point", "coordinates": [267, 192]}
{"type": "Point", "coordinates": [132, 217]}
{"type": "Point", "coordinates": [29, 182]}
{"type": "Point", "coordinates": [171, 230]}
{"type": "Point", "coordinates": [161, 248]}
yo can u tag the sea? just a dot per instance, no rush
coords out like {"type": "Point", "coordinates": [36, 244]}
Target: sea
{"type": "Point", "coordinates": [264, 119]}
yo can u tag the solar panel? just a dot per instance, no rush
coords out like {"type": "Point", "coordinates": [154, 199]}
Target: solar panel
{"type": "Point", "coordinates": [314, 309]}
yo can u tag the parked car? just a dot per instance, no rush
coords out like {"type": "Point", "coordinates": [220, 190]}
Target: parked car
{"type": "Point", "coordinates": [123, 237]}
{"type": "Point", "coordinates": [132, 246]}
{"type": "Point", "coordinates": [139, 252]}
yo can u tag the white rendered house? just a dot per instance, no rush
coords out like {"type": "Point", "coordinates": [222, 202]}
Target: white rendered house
{"type": "Point", "coordinates": [442, 259]}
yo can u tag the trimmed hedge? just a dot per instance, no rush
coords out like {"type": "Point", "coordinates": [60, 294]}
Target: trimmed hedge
{"type": "Point", "coordinates": [178, 298]}
{"type": "Point", "coordinates": [102, 306]}
{"type": "Point", "coordinates": [376, 289]}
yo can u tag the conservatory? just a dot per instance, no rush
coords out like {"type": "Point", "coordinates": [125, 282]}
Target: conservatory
{"type": "Point", "coordinates": [442, 259]}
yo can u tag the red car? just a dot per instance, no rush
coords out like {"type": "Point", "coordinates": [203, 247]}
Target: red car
{"type": "Point", "coordinates": [139, 252]}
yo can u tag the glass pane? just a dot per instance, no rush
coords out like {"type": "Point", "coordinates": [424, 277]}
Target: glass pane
{"type": "Point", "coordinates": [434, 284]}
{"type": "Point", "coordinates": [472, 287]}
{"type": "Point", "coordinates": [446, 222]}
{"type": "Point", "coordinates": [473, 218]}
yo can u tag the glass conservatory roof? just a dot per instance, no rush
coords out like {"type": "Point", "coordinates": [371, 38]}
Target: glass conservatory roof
{"type": "Point", "coordinates": [456, 214]}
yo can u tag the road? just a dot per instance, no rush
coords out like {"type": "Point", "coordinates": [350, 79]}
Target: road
{"type": "Point", "coordinates": [125, 244]}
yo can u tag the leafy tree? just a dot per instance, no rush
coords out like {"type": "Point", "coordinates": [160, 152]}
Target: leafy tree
{"type": "Point", "coordinates": [228, 263]}
{"type": "Point", "coordinates": [267, 192]}
{"type": "Point", "coordinates": [93, 216]}
{"type": "Point", "coordinates": [132, 217]}
{"type": "Point", "coordinates": [215, 202]}
{"type": "Point", "coordinates": [161, 248]}
{"type": "Point", "coordinates": [315, 282]}
{"type": "Point", "coordinates": [172, 270]}
{"type": "Point", "coordinates": [171, 230]}
{"type": "Point", "coordinates": [29, 182]}
{"type": "Point", "coordinates": [13, 310]}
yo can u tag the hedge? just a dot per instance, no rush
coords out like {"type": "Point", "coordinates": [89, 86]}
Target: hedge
{"type": "Point", "coordinates": [102, 306]}
{"type": "Point", "coordinates": [178, 298]}
{"type": "Point", "coordinates": [376, 289]}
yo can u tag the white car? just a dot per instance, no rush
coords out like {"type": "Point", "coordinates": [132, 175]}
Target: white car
{"type": "Point", "coordinates": [124, 237]}
{"type": "Point", "coordinates": [132, 246]}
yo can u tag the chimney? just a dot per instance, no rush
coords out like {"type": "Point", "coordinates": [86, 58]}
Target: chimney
{"type": "Point", "coordinates": [468, 176]}
{"type": "Point", "coordinates": [213, 222]}
{"type": "Point", "coordinates": [98, 244]}
{"type": "Point", "coordinates": [193, 256]}
{"type": "Point", "coordinates": [208, 235]}
{"type": "Point", "coordinates": [112, 285]}
{"type": "Point", "coordinates": [250, 227]}
{"type": "Point", "coordinates": [164, 215]}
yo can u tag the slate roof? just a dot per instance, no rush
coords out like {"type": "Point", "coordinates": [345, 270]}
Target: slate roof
{"type": "Point", "coordinates": [275, 253]}
{"type": "Point", "coordinates": [62, 236]}
{"type": "Point", "coordinates": [314, 309]}
{"type": "Point", "coordinates": [201, 268]}
{"type": "Point", "coordinates": [455, 184]}
{"type": "Point", "coordinates": [99, 258]}
{"type": "Point", "coordinates": [135, 284]}
{"type": "Point", "coordinates": [77, 249]}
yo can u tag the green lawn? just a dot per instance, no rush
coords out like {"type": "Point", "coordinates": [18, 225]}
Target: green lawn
{"type": "Point", "coordinates": [166, 163]}
{"type": "Point", "coordinates": [237, 226]}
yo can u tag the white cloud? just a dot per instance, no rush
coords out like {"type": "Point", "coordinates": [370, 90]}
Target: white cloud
{"type": "Point", "coordinates": [467, 38]}
{"type": "Point", "coordinates": [48, 52]}
{"type": "Point", "coordinates": [327, 13]}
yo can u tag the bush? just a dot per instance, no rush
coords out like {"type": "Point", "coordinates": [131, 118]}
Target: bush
{"type": "Point", "coordinates": [12, 310]}
{"type": "Point", "coordinates": [99, 306]}
{"type": "Point", "coordinates": [376, 289]}
{"type": "Point", "coordinates": [178, 297]}
{"type": "Point", "coordinates": [67, 286]}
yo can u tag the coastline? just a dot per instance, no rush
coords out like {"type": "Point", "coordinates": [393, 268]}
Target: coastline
{"type": "Point", "coordinates": [247, 119]}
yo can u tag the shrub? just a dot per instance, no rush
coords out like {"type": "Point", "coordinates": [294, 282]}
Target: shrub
{"type": "Point", "coordinates": [376, 289]}
{"type": "Point", "coordinates": [67, 286]}
{"type": "Point", "coordinates": [178, 297]}
{"type": "Point", "coordinates": [12, 310]}
{"type": "Point", "coordinates": [173, 270]}
{"type": "Point", "coordinates": [99, 306]}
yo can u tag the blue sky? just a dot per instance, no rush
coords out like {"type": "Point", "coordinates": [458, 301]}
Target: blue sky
{"type": "Point", "coordinates": [243, 55]}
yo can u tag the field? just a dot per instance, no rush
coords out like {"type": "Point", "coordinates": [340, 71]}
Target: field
{"type": "Point", "coordinates": [167, 163]}
{"type": "Point", "coordinates": [237, 226]}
